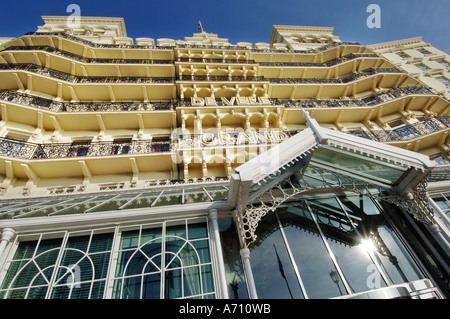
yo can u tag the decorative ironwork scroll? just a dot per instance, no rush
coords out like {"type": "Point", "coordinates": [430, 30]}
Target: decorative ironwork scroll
{"type": "Point", "coordinates": [314, 178]}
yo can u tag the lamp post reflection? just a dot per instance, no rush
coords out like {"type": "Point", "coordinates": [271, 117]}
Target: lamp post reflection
{"type": "Point", "coordinates": [280, 267]}
{"type": "Point", "coordinates": [335, 277]}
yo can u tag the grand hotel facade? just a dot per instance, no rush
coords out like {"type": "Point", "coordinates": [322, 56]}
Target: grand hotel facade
{"type": "Point", "coordinates": [306, 167]}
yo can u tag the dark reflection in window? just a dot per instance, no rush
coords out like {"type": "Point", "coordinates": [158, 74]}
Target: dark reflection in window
{"type": "Point", "coordinates": [237, 288]}
{"type": "Point", "coordinates": [351, 252]}
{"type": "Point", "coordinates": [272, 269]}
{"type": "Point", "coordinates": [318, 273]}
{"type": "Point", "coordinates": [339, 245]}
{"type": "Point", "coordinates": [395, 261]}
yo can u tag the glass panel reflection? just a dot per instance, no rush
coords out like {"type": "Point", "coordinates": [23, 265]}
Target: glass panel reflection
{"type": "Point", "coordinates": [318, 273]}
{"type": "Point", "coordinates": [350, 250]}
{"type": "Point", "coordinates": [340, 246]}
{"type": "Point", "coordinates": [272, 269]}
{"type": "Point", "coordinates": [350, 160]}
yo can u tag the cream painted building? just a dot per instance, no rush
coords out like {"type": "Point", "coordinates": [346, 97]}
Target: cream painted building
{"type": "Point", "coordinates": [195, 168]}
{"type": "Point", "coordinates": [421, 60]}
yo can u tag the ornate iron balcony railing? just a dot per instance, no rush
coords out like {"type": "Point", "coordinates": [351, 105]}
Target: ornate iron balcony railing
{"type": "Point", "coordinates": [231, 139]}
{"type": "Point", "coordinates": [311, 51]}
{"type": "Point", "coordinates": [57, 106]}
{"type": "Point", "coordinates": [371, 100]}
{"type": "Point", "coordinates": [98, 45]}
{"type": "Point", "coordinates": [27, 150]}
{"type": "Point", "coordinates": [83, 79]}
{"type": "Point", "coordinates": [223, 47]}
{"type": "Point", "coordinates": [215, 60]}
{"type": "Point", "coordinates": [80, 58]}
{"type": "Point", "coordinates": [336, 61]}
{"type": "Point", "coordinates": [440, 173]}
{"type": "Point", "coordinates": [219, 78]}
{"type": "Point", "coordinates": [344, 79]}
{"type": "Point", "coordinates": [405, 132]}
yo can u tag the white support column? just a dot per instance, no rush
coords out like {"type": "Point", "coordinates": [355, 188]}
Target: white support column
{"type": "Point", "coordinates": [435, 230]}
{"type": "Point", "coordinates": [7, 235]}
{"type": "Point", "coordinates": [439, 211]}
{"type": "Point", "coordinates": [223, 280]}
{"type": "Point", "coordinates": [245, 256]}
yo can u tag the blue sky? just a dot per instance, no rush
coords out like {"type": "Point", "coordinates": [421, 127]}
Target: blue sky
{"type": "Point", "coordinates": [248, 20]}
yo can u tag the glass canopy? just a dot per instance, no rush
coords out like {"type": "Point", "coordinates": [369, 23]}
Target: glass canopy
{"type": "Point", "coordinates": [109, 201]}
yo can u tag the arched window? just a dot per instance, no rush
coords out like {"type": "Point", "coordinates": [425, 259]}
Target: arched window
{"type": "Point", "coordinates": [165, 262]}
{"type": "Point", "coordinates": [73, 267]}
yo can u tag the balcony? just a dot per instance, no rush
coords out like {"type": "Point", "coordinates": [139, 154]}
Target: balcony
{"type": "Point", "coordinates": [345, 79]}
{"type": "Point", "coordinates": [405, 132]}
{"type": "Point", "coordinates": [311, 51]}
{"type": "Point", "coordinates": [97, 45]}
{"type": "Point", "coordinates": [83, 59]}
{"type": "Point", "coordinates": [208, 60]}
{"type": "Point", "coordinates": [371, 100]}
{"type": "Point", "coordinates": [219, 78]}
{"type": "Point", "coordinates": [333, 62]}
{"type": "Point", "coordinates": [26, 150]}
{"type": "Point", "coordinates": [83, 79]}
{"type": "Point", "coordinates": [57, 106]}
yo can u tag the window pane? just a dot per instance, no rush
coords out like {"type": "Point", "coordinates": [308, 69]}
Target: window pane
{"type": "Point", "coordinates": [237, 287]}
{"type": "Point", "coordinates": [272, 268]}
{"type": "Point", "coordinates": [167, 265]}
{"type": "Point", "coordinates": [312, 258]}
{"type": "Point", "coordinates": [197, 231]}
{"type": "Point", "coordinates": [80, 270]}
{"type": "Point", "coordinates": [351, 253]}
{"type": "Point", "coordinates": [357, 163]}
{"type": "Point", "coordinates": [382, 240]}
{"type": "Point", "coordinates": [394, 258]}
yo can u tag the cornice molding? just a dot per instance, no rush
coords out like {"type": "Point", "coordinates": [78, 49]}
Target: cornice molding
{"type": "Point", "coordinates": [120, 22]}
{"type": "Point", "coordinates": [392, 44]}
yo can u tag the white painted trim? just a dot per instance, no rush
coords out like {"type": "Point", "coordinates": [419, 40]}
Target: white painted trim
{"type": "Point", "coordinates": [111, 218]}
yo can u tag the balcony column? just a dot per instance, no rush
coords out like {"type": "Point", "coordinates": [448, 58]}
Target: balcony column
{"type": "Point", "coordinates": [446, 221]}
{"type": "Point", "coordinates": [433, 227]}
{"type": "Point", "coordinates": [7, 235]}
{"type": "Point", "coordinates": [213, 213]}
{"type": "Point", "coordinates": [245, 256]}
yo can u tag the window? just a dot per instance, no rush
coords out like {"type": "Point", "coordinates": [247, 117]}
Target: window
{"type": "Point", "coordinates": [423, 67]}
{"type": "Point", "coordinates": [403, 130]}
{"type": "Point", "coordinates": [445, 63]}
{"type": "Point", "coordinates": [444, 80]}
{"type": "Point", "coordinates": [444, 204]}
{"type": "Point", "coordinates": [67, 267]}
{"type": "Point", "coordinates": [424, 51]}
{"type": "Point", "coordinates": [441, 159]}
{"type": "Point", "coordinates": [79, 148]}
{"type": "Point", "coordinates": [163, 260]}
{"type": "Point", "coordinates": [121, 146]}
{"type": "Point", "coordinates": [161, 144]}
{"type": "Point", "coordinates": [403, 55]}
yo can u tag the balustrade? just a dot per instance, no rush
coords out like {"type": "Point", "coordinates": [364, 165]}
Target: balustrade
{"type": "Point", "coordinates": [83, 79]}
{"type": "Point", "coordinates": [83, 59]}
{"type": "Point", "coordinates": [57, 106]}
{"type": "Point", "coordinates": [405, 132]}
{"type": "Point", "coordinates": [27, 150]}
